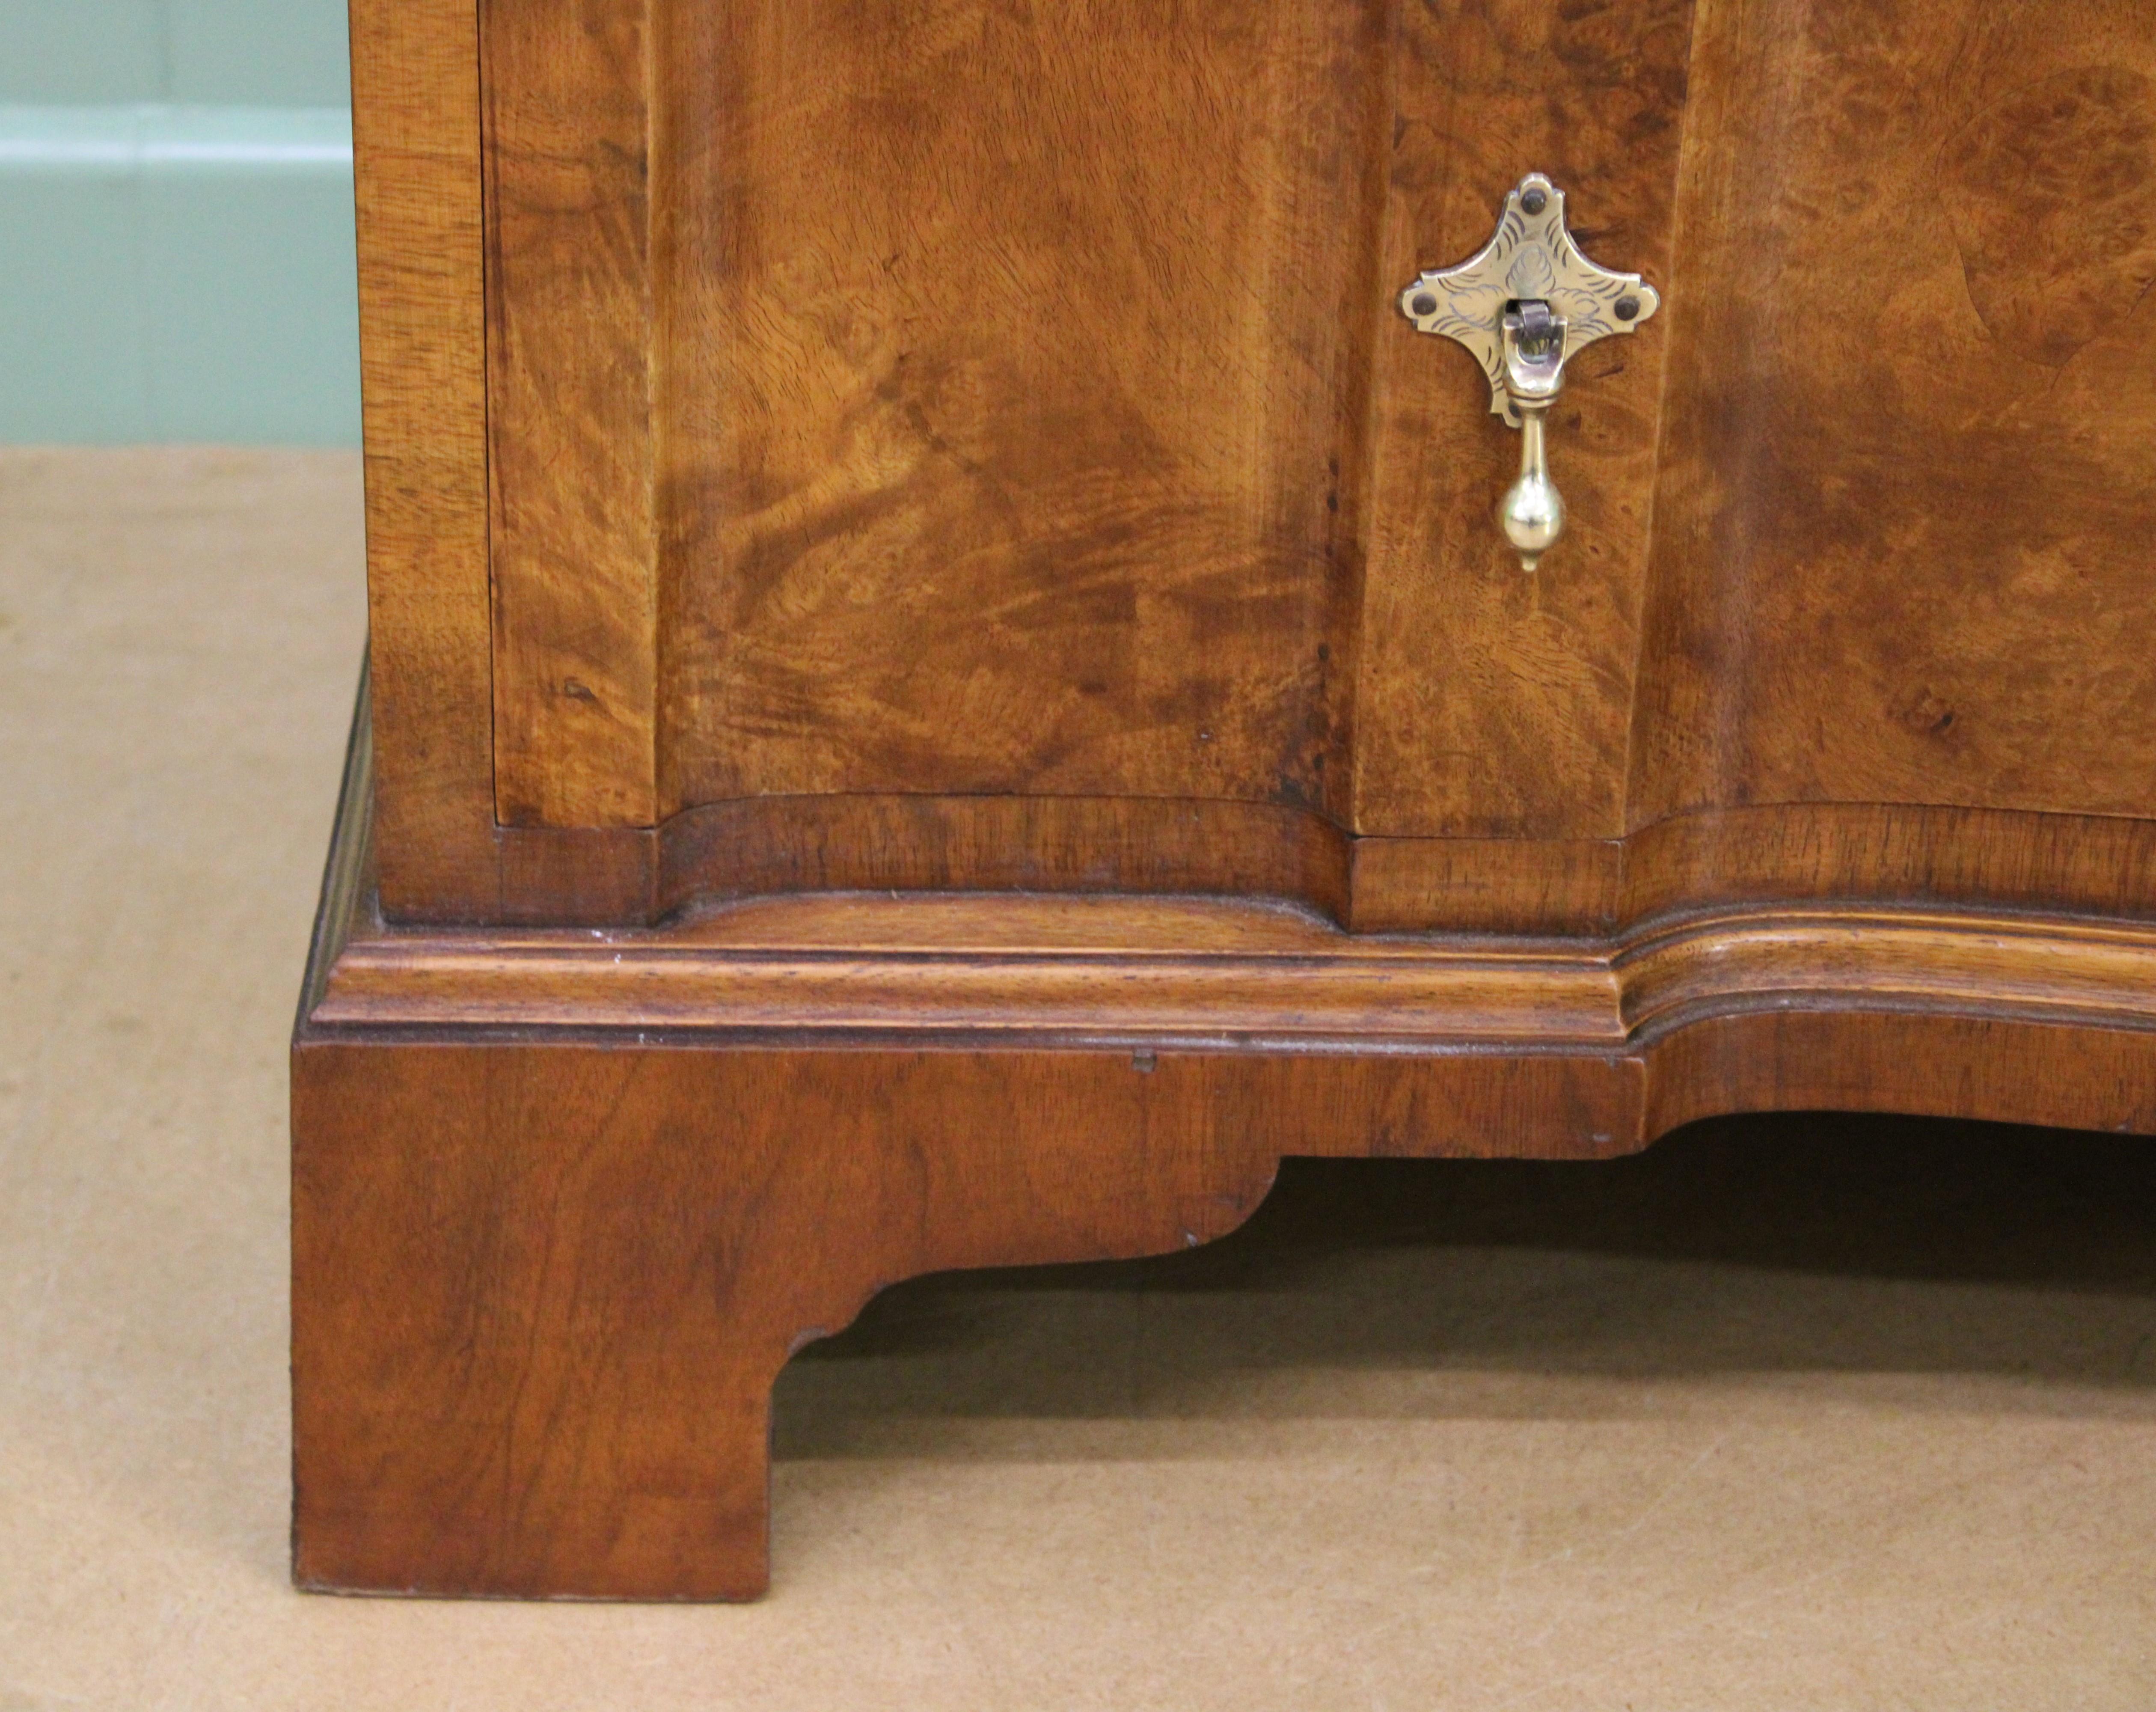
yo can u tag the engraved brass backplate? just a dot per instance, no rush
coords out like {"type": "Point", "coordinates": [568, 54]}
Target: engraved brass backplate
{"type": "Point", "coordinates": [1524, 304]}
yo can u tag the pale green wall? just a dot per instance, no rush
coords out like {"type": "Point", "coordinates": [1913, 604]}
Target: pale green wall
{"type": "Point", "coordinates": [176, 247]}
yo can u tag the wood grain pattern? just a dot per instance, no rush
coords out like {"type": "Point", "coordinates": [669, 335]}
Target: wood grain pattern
{"type": "Point", "coordinates": [1014, 369]}
{"type": "Point", "coordinates": [1366, 997]}
{"type": "Point", "coordinates": [1485, 885]}
{"type": "Point", "coordinates": [1814, 723]}
{"type": "Point", "coordinates": [2093, 864]}
{"type": "Point", "coordinates": [629, 877]}
{"type": "Point", "coordinates": [571, 350]}
{"type": "Point", "coordinates": [564, 1203]}
{"type": "Point", "coordinates": [422, 307]}
{"type": "Point", "coordinates": [961, 447]}
{"type": "Point", "coordinates": [541, 1293]}
{"type": "Point", "coordinates": [1873, 853]}
{"type": "Point", "coordinates": [891, 969]}
{"type": "Point", "coordinates": [2004, 1070]}
{"type": "Point", "coordinates": [1157, 844]}
{"type": "Point", "coordinates": [1493, 705]}
{"type": "Point", "coordinates": [1092, 519]}
{"type": "Point", "coordinates": [599, 1258]}
{"type": "Point", "coordinates": [2074, 864]}
{"type": "Point", "coordinates": [1903, 541]}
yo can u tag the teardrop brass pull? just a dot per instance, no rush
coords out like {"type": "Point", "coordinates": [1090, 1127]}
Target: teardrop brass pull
{"type": "Point", "coordinates": [1524, 304]}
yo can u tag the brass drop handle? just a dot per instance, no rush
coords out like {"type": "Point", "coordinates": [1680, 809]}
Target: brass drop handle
{"type": "Point", "coordinates": [1524, 304]}
{"type": "Point", "coordinates": [1532, 510]}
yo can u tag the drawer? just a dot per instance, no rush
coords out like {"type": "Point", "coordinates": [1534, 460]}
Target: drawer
{"type": "Point", "coordinates": [820, 445]}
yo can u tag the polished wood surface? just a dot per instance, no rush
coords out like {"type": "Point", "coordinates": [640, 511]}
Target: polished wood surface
{"type": "Point", "coordinates": [1492, 705]}
{"type": "Point", "coordinates": [1094, 520]}
{"type": "Point", "coordinates": [416, 156]}
{"type": "Point", "coordinates": [565, 1202]}
{"type": "Point", "coordinates": [571, 352]}
{"type": "Point", "coordinates": [1149, 551]}
{"type": "Point", "coordinates": [546, 1289]}
{"type": "Point", "coordinates": [1902, 540]}
{"type": "Point", "coordinates": [1855, 851]}
{"type": "Point", "coordinates": [946, 691]}
{"type": "Point", "coordinates": [1014, 375]}
{"type": "Point", "coordinates": [903, 968]}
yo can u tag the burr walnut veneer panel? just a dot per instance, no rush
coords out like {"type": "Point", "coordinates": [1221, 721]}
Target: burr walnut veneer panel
{"type": "Point", "coordinates": [1902, 551]}
{"type": "Point", "coordinates": [1009, 400]}
{"type": "Point", "coordinates": [972, 445]}
{"type": "Point", "coordinates": [1014, 359]}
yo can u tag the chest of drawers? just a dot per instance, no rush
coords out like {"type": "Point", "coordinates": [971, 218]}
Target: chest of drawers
{"type": "Point", "coordinates": [945, 689]}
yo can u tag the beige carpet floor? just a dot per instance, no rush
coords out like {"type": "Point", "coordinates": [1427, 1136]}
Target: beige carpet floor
{"type": "Point", "coordinates": [1798, 1412]}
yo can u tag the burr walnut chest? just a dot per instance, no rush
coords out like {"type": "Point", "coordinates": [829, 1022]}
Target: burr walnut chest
{"type": "Point", "coordinates": [987, 615]}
